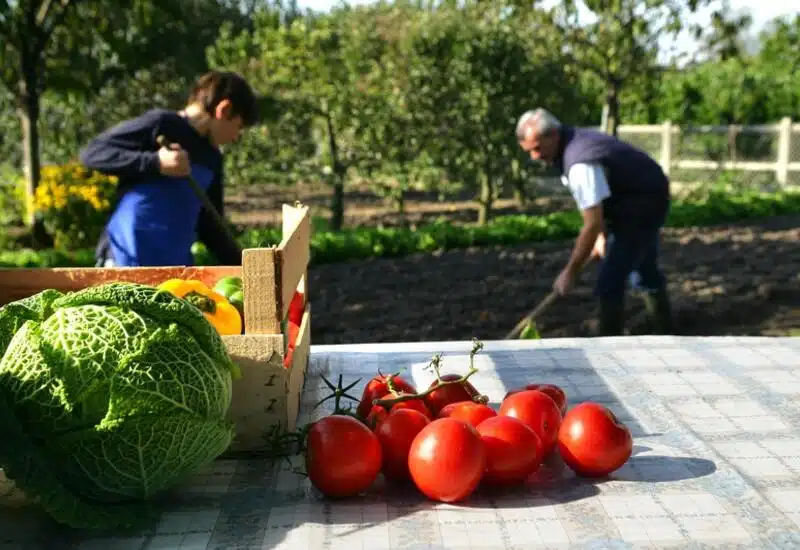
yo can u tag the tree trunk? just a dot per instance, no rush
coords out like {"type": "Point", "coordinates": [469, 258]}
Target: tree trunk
{"type": "Point", "coordinates": [339, 171]}
{"type": "Point", "coordinates": [28, 113]}
{"type": "Point", "coordinates": [337, 203]}
{"type": "Point", "coordinates": [732, 149]}
{"type": "Point", "coordinates": [399, 202]}
{"type": "Point", "coordinates": [612, 104]}
{"type": "Point", "coordinates": [518, 185]}
{"type": "Point", "coordinates": [27, 110]}
{"type": "Point", "coordinates": [486, 199]}
{"type": "Point", "coordinates": [520, 195]}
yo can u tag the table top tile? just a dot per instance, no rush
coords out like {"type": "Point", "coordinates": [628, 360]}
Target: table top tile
{"type": "Point", "coordinates": [716, 460]}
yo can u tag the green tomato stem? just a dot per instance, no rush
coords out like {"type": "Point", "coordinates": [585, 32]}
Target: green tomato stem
{"type": "Point", "coordinates": [435, 363]}
{"type": "Point", "coordinates": [339, 392]}
{"type": "Point", "coordinates": [389, 403]}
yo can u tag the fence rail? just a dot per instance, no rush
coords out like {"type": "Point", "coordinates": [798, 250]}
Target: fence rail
{"type": "Point", "coordinates": [765, 148]}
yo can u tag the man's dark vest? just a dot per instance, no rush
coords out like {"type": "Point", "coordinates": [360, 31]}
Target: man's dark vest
{"type": "Point", "coordinates": [639, 188]}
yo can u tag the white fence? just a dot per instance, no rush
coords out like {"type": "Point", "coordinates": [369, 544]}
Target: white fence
{"type": "Point", "coordinates": [686, 153]}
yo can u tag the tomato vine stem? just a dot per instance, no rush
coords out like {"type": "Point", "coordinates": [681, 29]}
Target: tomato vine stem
{"type": "Point", "coordinates": [390, 381]}
{"type": "Point", "coordinates": [434, 364]}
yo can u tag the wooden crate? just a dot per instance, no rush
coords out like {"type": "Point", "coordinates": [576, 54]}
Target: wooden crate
{"type": "Point", "coordinates": [267, 394]}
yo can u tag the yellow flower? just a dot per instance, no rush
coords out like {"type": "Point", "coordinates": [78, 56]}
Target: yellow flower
{"type": "Point", "coordinates": [73, 202]}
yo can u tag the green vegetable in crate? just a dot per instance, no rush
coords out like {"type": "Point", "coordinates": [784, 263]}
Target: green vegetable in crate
{"type": "Point", "coordinates": [108, 396]}
{"type": "Point", "coordinates": [231, 288]}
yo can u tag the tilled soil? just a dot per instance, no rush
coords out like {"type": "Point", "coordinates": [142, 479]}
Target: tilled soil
{"type": "Point", "coordinates": [741, 279]}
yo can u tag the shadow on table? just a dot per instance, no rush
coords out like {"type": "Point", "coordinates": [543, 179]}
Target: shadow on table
{"type": "Point", "coordinates": [571, 369]}
{"type": "Point", "coordinates": [227, 507]}
{"type": "Point", "coordinates": [553, 485]}
{"type": "Point", "coordinates": [568, 368]}
{"type": "Point", "coordinates": [27, 528]}
{"type": "Point", "coordinates": [662, 469]}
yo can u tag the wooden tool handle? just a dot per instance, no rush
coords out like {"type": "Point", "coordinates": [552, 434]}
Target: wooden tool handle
{"type": "Point", "coordinates": [539, 309]}
{"type": "Point", "coordinates": [207, 204]}
{"type": "Point", "coordinates": [532, 315]}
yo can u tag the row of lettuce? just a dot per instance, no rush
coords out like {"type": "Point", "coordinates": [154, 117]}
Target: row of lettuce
{"type": "Point", "coordinates": [360, 243]}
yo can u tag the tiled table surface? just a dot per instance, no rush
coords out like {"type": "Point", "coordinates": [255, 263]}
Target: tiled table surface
{"type": "Point", "coordinates": [716, 461]}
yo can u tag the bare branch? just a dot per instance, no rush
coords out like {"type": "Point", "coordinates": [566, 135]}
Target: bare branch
{"type": "Point", "coordinates": [44, 11]}
{"type": "Point", "coordinates": [46, 32]}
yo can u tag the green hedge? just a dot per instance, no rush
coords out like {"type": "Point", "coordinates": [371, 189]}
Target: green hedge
{"type": "Point", "coordinates": [47, 258]}
{"type": "Point", "coordinates": [714, 207]}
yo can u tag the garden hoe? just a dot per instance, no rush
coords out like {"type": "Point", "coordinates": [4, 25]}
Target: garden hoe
{"type": "Point", "coordinates": [526, 329]}
{"type": "Point", "coordinates": [198, 191]}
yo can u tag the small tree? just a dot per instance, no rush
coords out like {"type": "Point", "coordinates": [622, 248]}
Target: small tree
{"type": "Point", "coordinates": [475, 73]}
{"type": "Point", "coordinates": [620, 41]}
{"type": "Point", "coordinates": [387, 127]}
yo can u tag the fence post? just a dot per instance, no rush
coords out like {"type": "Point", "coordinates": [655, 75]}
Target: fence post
{"type": "Point", "coordinates": [784, 150]}
{"type": "Point", "coordinates": [666, 146]}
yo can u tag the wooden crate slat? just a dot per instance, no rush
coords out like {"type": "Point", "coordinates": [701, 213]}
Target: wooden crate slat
{"type": "Point", "coordinates": [296, 252]}
{"type": "Point", "coordinates": [261, 269]}
{"type": "Point", "coordinates": [297, 373]}
{"type": "Point", "coordinates": [260, 395]}
{"type": "Point", "coordinates": [16, 284]}
{"type": "Point", "coordinates": [292, 216]}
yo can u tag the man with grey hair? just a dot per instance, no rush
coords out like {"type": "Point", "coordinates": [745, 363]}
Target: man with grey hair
{"type": "Point", "coordinates": [624, 199]}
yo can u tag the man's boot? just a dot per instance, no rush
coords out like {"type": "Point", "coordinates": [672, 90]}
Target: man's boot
{"type": "Point", "coordinates": [659, 311]}
{"type": "Point", "coordinates": [611, 318]}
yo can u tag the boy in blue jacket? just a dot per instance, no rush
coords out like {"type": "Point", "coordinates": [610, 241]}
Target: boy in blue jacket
{"type": "Point", "coordinates": [157, 216]}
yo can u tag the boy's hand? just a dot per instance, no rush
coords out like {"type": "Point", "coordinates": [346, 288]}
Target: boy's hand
{"type": "Point", "coordinates": [173, 161]}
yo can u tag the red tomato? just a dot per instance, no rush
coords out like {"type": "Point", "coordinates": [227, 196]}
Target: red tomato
{"type": "Point", "coordinates": [556, 393]}
{"type": "Point", "coordinates": [296, 308]}
{"type": "Point", "coordinates": [376, 415]}
{"type": "Point", "coordinates": [396, 433]}
{"type": "Point", "coordinates": [413, 404]}
{"type": "Point", "coordinates": [468, 411]}
{"type": "Point", "coordinates": [539, 412]}
{"type": "Point", "coordinates": [447, 460]}
{"type": "Point", "coordinates": [513, 450]}
{"type": "Point", "coordinates": [377, 389]}
{"type": "Point", "coordinates": [343, 456]}
{"type": "Point", "coordinates": [592, 441]}
{"type": "Point", "coordinates": [293, 331]}
{"type": "Point", "coordinates": [287, 359]}
{"type": "Point", "coordinates": [451, 393]}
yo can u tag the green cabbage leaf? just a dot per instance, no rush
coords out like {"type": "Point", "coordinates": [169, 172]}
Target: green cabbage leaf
{"type": "Point", "coordinates": [108, 396]}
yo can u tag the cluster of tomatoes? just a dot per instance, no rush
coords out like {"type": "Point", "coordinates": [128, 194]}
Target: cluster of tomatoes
{"type": "Point", "coordinates": [447, 441]}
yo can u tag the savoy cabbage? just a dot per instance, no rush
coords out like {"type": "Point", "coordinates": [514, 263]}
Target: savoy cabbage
{"type": "Point", "coordinates": [109, 395]}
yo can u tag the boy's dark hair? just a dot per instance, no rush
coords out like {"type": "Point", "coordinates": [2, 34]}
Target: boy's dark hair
{"type": "Point", "coordinates": [214, 86]}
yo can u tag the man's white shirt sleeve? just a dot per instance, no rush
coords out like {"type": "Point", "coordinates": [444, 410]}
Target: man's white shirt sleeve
{"type": "Point", "coordinates": [588, 184]}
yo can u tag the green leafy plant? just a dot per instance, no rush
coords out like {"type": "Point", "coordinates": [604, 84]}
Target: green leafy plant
{"type": "Point", "coordinates": [108, 396]}
{"type": "Point", "coordinates": [12, 204]}
{"type": "Point", "coordinates": [712, 206]}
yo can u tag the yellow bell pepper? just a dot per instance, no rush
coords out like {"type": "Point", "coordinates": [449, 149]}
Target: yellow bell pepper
{"type": "Point", "coordinates": [216, 308]}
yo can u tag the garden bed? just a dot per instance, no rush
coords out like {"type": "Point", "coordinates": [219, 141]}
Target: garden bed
{"type": "Point", "coordinates": [731, 279]}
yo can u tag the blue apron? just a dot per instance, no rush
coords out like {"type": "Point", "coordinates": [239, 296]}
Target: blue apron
{"type": "Point", "coordinates": [155, 222]}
